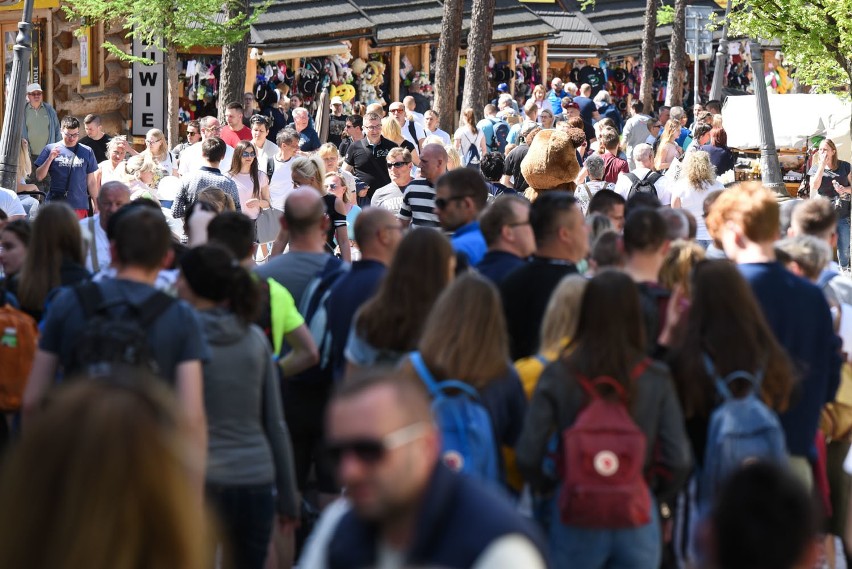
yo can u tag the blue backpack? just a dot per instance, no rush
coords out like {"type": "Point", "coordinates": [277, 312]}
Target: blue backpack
{"type": "Point", "coordinates": [741, 430]}
{"type": "Point", "coordinates": [501, 135]}
{"type": "Point", "coordinates": [467, 438]}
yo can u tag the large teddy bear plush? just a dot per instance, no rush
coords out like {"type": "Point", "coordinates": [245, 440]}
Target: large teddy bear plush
{"type": "Point", "coordinates": [551, 162]}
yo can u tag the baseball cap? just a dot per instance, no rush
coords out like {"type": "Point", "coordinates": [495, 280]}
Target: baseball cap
{"type": "Point", "coordinates": [571, 105]}
{"type": "Point", "coordinates": [528, 127]}
{"type": "Point", "coordinates": [33, 87]}
{"type": "Point", "coordinates": [336, 101]}
{"type": "Point", "coordinates": [502, 88]}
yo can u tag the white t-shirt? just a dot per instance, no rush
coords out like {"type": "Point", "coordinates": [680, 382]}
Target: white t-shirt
{"type": "Point", "coordinates": [101, 243]}
{"type": "Point", "coordinates": [245, 188]}
{"type": "Point", "coordinates": [190, 159]}
{"type": "Point", "coordinates": [108, 173]}
{"type": "Point", "coordinates": [443, 135]}
{"type": "Point", "coordinates": [281, 184]}
{"type": "Point", "coordinates": [466, 138]}
{"type": "Point", "coordinates": [265, 153]}
{"type": "Point", "coordinates": [623, 184]}
{"type": "Point", "coordinates": [692, 200]}
{"type": "Point", "coordinates": [418, 130]}
{"type": "Point", "coordinates": [11, 204]}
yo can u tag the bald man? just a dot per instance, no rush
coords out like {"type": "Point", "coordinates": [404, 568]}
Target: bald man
{"type": "Point", "coordinates": [111, 197]}
{"type": "Point", "coordinates": [305, 224]}
{"type": "Point", "coordinates": [418, 201]}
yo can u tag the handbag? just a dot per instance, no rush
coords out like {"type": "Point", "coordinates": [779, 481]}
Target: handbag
{"type": "Point", "coordinates": [267, 225]}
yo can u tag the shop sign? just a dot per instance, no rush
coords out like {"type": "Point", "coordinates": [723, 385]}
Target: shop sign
{"type": "Point", "coordinates": [149, 90]}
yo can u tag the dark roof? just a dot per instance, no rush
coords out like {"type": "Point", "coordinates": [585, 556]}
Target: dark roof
{"type": "Point", "coordinates": [387, 22]}
{"type": "Point", "coordinates": [574, 29]}
{"type": "Point", "coordinates": [306, 22]}
{"type": "Point", "coordinates": [620, 22]}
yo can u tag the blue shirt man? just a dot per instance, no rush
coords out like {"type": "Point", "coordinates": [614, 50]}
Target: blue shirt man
{"type": "Point", "coordinates": [555, 95]}
{"type": "Point", "coordinates": [72, 168]}
{"type": "Point", "coordinates": [505, 225]}
{"type": "Point", "coordinates": [460, 195]}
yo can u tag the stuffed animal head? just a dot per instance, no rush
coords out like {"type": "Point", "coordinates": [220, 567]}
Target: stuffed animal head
{"type": "Point", "coordinates": [551, 162]}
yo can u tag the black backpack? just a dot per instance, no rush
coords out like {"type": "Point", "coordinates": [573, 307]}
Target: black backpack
{"type": "Point", "coordinates": [645, 185]}
{"type": "Point", "coordinates": [115, 339]}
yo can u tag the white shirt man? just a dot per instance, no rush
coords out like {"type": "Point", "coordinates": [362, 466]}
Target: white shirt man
{"type": "Point", "coordinates": [397, 111]}
{"type": "Point", "coordinates": [635, 131]}
{"type": "Point", "coordinates": [191, 160]}
{"type": "Point", "coordinates": [389, 197]}
{"type": "Point", "coordinates": [643, 155]}
{"type": "Point", "coordinates": [433, 126]}
{"type": "Point", "coordinates": [11, 204]}
{"type": "Point", "coordinates": [281, 183]}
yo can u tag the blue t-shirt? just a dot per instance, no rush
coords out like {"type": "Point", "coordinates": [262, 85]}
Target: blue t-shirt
{"type": "Point", "coordinates": [176, 336]}
{"type": "Point", "coordinates": [468, 239]}
{"type": "Point", "coordinates": [78, 162]}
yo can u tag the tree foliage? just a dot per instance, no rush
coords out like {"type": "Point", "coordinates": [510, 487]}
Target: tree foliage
{"type": "Point", "coordinates": [815, 35]}
{"type": "Point", "coordinates": [178, 23]}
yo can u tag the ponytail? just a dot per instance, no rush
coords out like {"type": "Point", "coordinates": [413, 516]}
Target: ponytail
{"type": "Point", "coordinates": [213, 273]}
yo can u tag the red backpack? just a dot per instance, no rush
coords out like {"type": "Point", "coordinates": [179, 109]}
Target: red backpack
{"type": "Point", "coordinates": [603, 458]}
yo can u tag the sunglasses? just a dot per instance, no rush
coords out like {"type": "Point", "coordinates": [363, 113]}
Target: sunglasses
{"type": "Point", "coordinates": [191, 132]}
{"type": "Point", "coordinates": [373, 451]}
{"type": "Point", "coordinates": [397, 164]}
{"type": "Point", "coordinates": [397, 110]}
{"type": "Point", "coordinates": [442, 203]}
{"type": "Point", "coordinates": [331, 186]}
{"type": "Point", "coordinates": [249, 154]}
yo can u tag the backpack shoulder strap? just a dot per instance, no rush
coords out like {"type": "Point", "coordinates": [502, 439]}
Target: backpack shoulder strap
{"type": "Point", "coordinates": [153, 307]}
{"type": "Point", "coordinates": [93, 247]}
{"type": "Point", "coordinates": [90, 297]}
{"type": "Point", "coordinates": [652, 176]}
{"type": "Point", "coordinates": [435, 387]}
{"type": "Point", "coordinates": [412, 130]}
{"type": "Point", "coordinates": [632, 177]}
{"type": "Point", "coordinates": [723, 383]}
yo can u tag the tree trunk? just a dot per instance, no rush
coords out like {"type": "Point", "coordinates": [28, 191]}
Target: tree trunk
{"type": "Point", "coordinates": [173, 100]}
{"type": "Point", "coordinates": [232, 78]}
{"type": "Point", "coordinates": [648, 51]}
{"type": "Point", "coordinates": [447, 63]}
{"type": "Point", "coordinates": [677, 65]}
{"type": "Point", "coordinates": [478, 52]}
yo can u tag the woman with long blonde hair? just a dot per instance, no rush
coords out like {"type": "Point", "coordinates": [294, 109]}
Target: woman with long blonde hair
{"type": "Point", "coordinates": [393, 132]}
{"type": "Point", "coordinates": [697, 179]}
{"type": "Point", "coordinates": [310, 172]}
{"type": "Point", "coordinates": [157, 148]}
{"type": "Point", "coordinates": [668, 149]}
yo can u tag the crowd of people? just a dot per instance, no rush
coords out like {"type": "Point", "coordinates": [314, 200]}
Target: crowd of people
{"type": "Point", "coordinates": [552, 339]}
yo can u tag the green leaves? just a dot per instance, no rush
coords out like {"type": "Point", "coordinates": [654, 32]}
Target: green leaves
{"type": "Point", "coordinates": [815, 36]}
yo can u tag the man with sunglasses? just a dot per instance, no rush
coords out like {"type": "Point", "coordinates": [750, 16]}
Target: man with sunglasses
{"type": "Point", "coordinates": [418, 201]}
{"type": "Point", "coordinates": [411, 131]}
{"type": "Point", "coordinates": [405, 507]}
{"type": "Point", "coordinates": [193, 135]}
{"type": "Point", "coordinates": [367, 158]}
{"type": "Point", "coordinates": [353, 131]}
{"type": "Point", "coordinates": [460, 196]}
{"type": "Point", "coordinates": [389, 197]}
{"type": "Point", "coordinates": [72, 167]}
{"type": "Point", "coordinates": [191, 159]}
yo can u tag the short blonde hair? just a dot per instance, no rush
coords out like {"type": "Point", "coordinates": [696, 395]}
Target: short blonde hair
{"type": "Point", "coordinates": [680, 260]}
{"type": "Point", "coordinates": [453, 157]}
{"type": "Point", "coordinates": [391, 129]}
{"type": "Point", "coordinates": [328, 150]}
{"type": "Point", "coordinates": [138, 165]}
{"type": "Point", "coordinates": [311, 169]}
{"type": "Point", "coordinates": [698, 170]}
{"type": "Point", "coordinates": [749, 205]}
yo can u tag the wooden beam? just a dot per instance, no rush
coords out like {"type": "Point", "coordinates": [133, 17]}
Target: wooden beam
{"type": "Point", "coordinates": [251, 74]}
{"type": "Point", "coordinates": [511, 56]}
{"type": "Point", "coordinates": [542, 63]}
{"type": "Point", "coordinates": [424, 58]}
{"type": "Point", "coordinates": [394, 84]}
{"type": "Point", "coordinates": [363, 49]}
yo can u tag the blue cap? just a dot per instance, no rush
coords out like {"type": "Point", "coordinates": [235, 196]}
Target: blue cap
{"type": "Point", "coordinates": [502, 88]}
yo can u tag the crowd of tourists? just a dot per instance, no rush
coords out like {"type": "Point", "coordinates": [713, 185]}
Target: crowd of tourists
{"type": "Point", "coordinates": [553, 338]}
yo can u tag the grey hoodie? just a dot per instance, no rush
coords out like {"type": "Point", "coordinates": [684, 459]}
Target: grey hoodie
{"type": "Point", "coordinates": [248, 440]}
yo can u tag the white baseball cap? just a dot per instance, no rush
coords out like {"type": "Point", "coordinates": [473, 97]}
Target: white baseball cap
{"type": "Point", "coordinates": [336, 101]}
{"type": "Point", "coordinates": [33, 87]}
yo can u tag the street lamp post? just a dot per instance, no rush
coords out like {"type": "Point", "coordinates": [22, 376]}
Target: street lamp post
{"type": "Point", "coordinates": [13, 121]}
{"type": "Point", "coordinates": [721, 58]}
{"type": "Point", "coordinates": [770, 168]}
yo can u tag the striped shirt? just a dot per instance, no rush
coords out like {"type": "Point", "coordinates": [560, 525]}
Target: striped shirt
{"type": "Point", "coordinates": [418, 204]}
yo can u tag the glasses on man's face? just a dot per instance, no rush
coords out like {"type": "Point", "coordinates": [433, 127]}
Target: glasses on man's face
{"type": "Point", "coordinates": [374, 127]}
{"type": "Point", "coordinates": [518, 223]}
{"type": "Point", "coordinates": [213, 128]}
{"type": "Point", "coordinates": [397, 164]}
{"type": "Point", "coordinates": [397, 111]}
{"type": "Point", "coordinates": [442, 203]}
{"type": "Point", "coordinates": [71, 134]}
{"type": "Point", "coordinates": [191, 132]}
{"type": "Point", "coordinates": [249, 154]}
{"type": "Point", "coordinates": [36, 94]}
{"type": "Point", "coordinates": [372, 451]}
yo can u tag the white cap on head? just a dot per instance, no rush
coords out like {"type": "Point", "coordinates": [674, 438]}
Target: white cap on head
{"type": "Point", "coordinates": [33, 87]}
{"type": "Point", "coordinates": [336, 101]}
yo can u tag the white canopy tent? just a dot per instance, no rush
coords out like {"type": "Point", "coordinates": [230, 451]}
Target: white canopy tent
{"type": "Point", "coordinates": [795, 118]}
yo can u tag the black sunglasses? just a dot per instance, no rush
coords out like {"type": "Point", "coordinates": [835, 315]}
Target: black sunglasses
{"type": "Point", "coordinates": [441, 203]}
{"type": "Point", "coordinates": [372, 451]}
{"type": "Point", "coordinates": [397, 164]}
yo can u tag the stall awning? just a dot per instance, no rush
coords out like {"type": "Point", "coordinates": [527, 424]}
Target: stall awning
{"type": "Point", "coordinates": [319, 50]}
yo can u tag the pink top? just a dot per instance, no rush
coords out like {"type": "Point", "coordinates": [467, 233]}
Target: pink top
{"type": "Point", "coordinates": [246, 190]}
